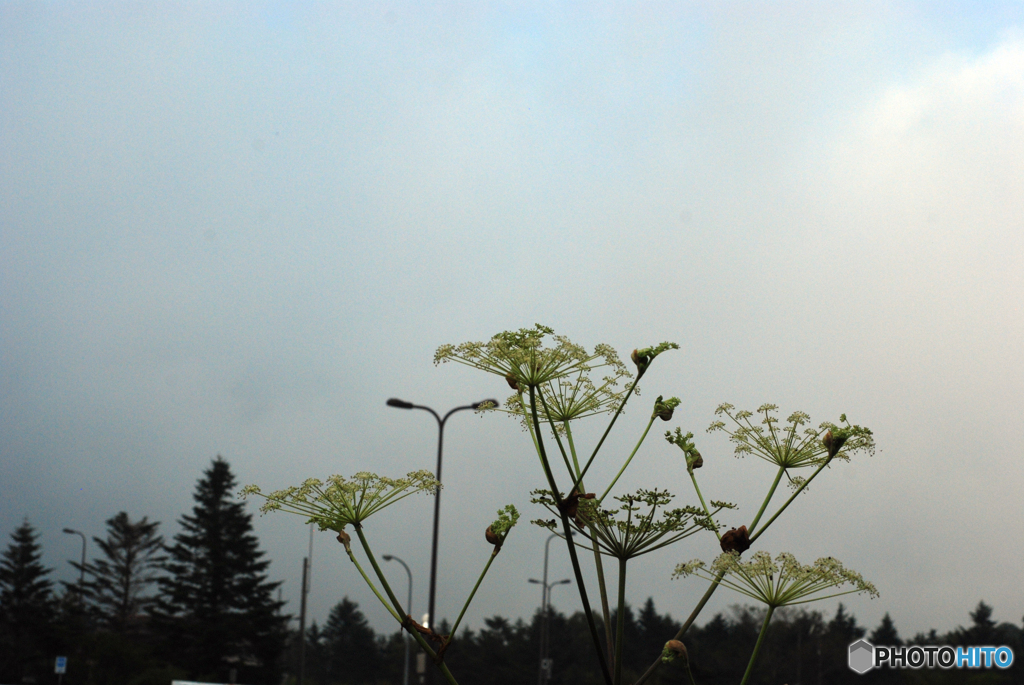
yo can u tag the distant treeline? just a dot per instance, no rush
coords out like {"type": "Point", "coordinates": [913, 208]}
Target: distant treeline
{"type": "Point", "coordinates": [201, 608]}
{"type": "Point", "coordinates": [801, 648]}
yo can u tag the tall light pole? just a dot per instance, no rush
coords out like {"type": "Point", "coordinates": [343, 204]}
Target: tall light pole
{"type": "Point", "coordinates": [408, 610]}
{"type": "Point", "coordinates": [81, 568]}
{"type": "Point", "coordinates": [545, 595]}
{"type": "Point", "coordinates": [544, 673]}
{"type": "Point", "coordinates": [402, 404]}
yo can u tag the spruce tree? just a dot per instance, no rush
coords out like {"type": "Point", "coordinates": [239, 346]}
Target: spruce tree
{"type": "Point", "coordinates": [885, 634]}
{"type": "Point", "coordinates": [116, 591]}
{"type": "Point", "coordinates": [351, 645]}
{"type": "Point", "coordinates": [26, 607]}
{"type": "Point", "coordinates": [216, 609]}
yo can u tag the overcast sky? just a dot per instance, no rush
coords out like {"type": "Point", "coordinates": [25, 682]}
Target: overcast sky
{"type": "Point", "coordinates": [238, 228]}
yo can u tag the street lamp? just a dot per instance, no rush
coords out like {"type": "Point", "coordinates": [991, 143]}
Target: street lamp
{"type": "Point", "coordinates": [81, 568]}
{"type": "Point", "coordinates": [402, 404]}
{"type": "Point", "coordinates": [544, 600]}
{"type": "Point", "coordinates": [408, 610]}
{"type": "Point", "coordinates": [545, 669]}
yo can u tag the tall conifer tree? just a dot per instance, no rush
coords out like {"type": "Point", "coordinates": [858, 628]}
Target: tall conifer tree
{"type": "Point", "coordinates": [26, 606]}
{"type": "Point", "coordinates": [117, 588]}
{"type": "Point", "coordinates": [216, 609]}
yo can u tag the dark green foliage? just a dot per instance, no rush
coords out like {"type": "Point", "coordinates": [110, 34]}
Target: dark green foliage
{"type": "Point", "coordinates": [350, 646]}
{"type": "Point", "coordinates": [118, 585]}
{"type": "Point", "coordinates": [27, 608]}
{"type": "Point", "coordinates": [885, 633]}
{"type": "Point", "coordinates": [216, 611]}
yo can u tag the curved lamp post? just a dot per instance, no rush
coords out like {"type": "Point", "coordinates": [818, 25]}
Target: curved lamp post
{"type": "Point", "coordinates": [408, 610]}
{"type": "Point", "coordinates": [402, 404]}
{"type": "Point", "coordinates": [544, 601]}
{"type": "Point", "coordinates": [545, 674]}
{"type": "Point", "coordinates": [81, 569]}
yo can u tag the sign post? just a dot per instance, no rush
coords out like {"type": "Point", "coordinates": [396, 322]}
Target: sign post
{"type": "Point", "coordinates": [60, 667]}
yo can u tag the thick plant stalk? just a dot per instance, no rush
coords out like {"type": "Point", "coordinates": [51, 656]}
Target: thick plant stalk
{"type": "Point", "coordinates": [757, 647]}
{"type": "Point", "coordinates": [605, 610]}
{"type": "Point", "coordinates": [441, 666]}
{"type": "Point", "coordinates": [598, 565]}
{"type": "Point", "coordinates": [767, 499]}
{"type": "Point", "coordinates": [620, 627]}
{"type": "Point", "coordinates": [571, 545]}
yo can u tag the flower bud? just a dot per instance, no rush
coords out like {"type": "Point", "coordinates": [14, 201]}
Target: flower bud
{"type": "Point", "coordinates": [345, 539]}
{"type": "Point", "coordinates": [833, 443]}
{"type": "Point", "coordinates": [663, 408]}
{"type": "Point", "coordinates": [512, 382]}
{"type": "Point", "coordinates": [736, 540]}
{"type": "Point", "coordinates": [642, 361]}
{"type": "Point", "coordinates": [694, 460]}
{"type": "Point", "coordinates": [493, 537]}
{"type": "Point", "coordinates": [672, 650]}
{"type": "Point", "coordinates": [570, 505]}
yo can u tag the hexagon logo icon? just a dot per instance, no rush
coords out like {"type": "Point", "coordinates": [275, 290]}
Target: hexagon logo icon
{"type": "Point", "coordinates": [862, 656]}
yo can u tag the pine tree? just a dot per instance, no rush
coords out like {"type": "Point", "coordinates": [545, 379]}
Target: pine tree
{"type": "Point", "coordinates": [216, 610]}
{"type": "Point", "coordinates": [116, 591]}
{"type": "Point", "coordinates": [350, 644]}
{"type": "Point", "coordinates": [885, 634]}
{"type": "Point", "coordinates": [26, 606]}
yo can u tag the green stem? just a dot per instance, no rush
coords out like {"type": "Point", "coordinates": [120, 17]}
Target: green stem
{"type": "Point", "coordinates": [380, 574]}
{"type": "Point", "coordinates": [441, 666]}
{"type": "Point", "coordinates": [469, 599]}
{"type": "Point", "coordinates": [789, 501]}
{"type": "Point", "coordinates": [757, 647]}
{"type": "Point", "coordinates": [540, 449]}
{"type": "Point", "coordinates": [620, 627]}
{"type": "Point", "coordinates": [529, 420]}
{"type": "Point", "coordinates": [568, 539]}
{"type": "Point", "coordinates": [578, 573]}
{"type": "Point", "coordinates": [558, 440]}
{"type": "Point", "coordinates": [572, 451]}
{"type": "Point", "coordinates": [603, 587]}
{"type": "Point", "coordinates": [633, 454]}
{"type": "Point", "coordinates": [764, 505]}
{"type": "Point", "coordinates": [608, 430]}
{"type": "Point", "coordinates": [387, 588]}
{"type": "Point", "coordinates": [372, 586]}
{"type": "Point", "coordinates": [416, 635]}
{"type": "Point", "coordinates": [686, 626]}
{"type": "Point", "coordinates": [706, 510]}
{"type": "Point", "coordinates": [689, 675]}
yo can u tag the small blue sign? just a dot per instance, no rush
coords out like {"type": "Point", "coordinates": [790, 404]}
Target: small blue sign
{"type": "Point", "coordinates": [61, 666]}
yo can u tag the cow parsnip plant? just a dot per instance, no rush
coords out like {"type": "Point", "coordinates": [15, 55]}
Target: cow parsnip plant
{"type": "Point", "coordinates": [555, 383]}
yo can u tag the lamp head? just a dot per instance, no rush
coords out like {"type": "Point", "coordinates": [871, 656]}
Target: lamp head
{"type": "Point", "coordinates": [387, 557]}
{"type": "Point", "coordinates": [399, 404]}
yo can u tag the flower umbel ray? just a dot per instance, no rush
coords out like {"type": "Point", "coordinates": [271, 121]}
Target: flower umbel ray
{"type": "Point", "coordinates": [339, 501]}
{"type": "Point", "coordinates": [632, 529]}
{"type": "Point", "coordinates": [787, 446]}
{"type": "Point", "coordinates": [523, 360]}
{"type": "Point", "coordinates": [571, 397]}
{"type": "Point", "coordinates": [782, 582]}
